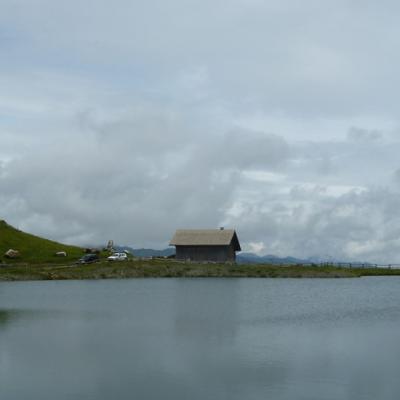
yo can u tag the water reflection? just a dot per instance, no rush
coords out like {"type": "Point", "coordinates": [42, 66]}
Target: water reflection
{"type": "Point", "coordinates": [204, 310]}
{"type": "Point", "coordinates": [6, 316]}
{"type": "Point", "coordinates": [200, 339]}
{"type": "Point", "coordinates": [12, 316]}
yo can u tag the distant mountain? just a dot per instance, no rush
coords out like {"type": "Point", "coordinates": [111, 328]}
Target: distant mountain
{"type": "Point", "coordinates": [251, 258]}
{"type": "Point", "coordinates": [241, 258]}
{"type": "Point", "coordinates": [147, 252]}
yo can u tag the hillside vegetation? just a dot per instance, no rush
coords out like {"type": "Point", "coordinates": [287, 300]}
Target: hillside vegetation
{"type": "Point", "coordinates": [33, 249]}
{"type": "Point", "coordinates": [137, 268]}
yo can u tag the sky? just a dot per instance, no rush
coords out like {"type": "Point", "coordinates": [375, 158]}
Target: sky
{"type": "Point", "coordinates": [128, 119]}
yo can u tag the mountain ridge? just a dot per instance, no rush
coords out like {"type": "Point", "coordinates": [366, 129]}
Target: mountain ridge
{"type": "Point", "coordinates": [241, 258]}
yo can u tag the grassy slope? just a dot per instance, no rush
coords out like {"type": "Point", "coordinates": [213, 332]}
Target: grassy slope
{"type": "Point", "coordinates": [33, 249]}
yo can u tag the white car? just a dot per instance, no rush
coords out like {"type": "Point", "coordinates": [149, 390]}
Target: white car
{"type": "Point", "coordinates": [118, 257]}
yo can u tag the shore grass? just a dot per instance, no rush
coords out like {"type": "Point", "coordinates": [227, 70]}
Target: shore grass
{"type": "Point", "coordinates": [174, 269]}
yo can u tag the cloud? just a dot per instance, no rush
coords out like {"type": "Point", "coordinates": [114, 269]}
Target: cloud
{"type": "Point", "coordinates": [353, 226]}
{"type": "Point", "coordinates": [268, 56]}
{"type": "Point", "coordinates": [363, 135]}
{"type": "Point", "coordinates": [131, 120]}
{"type": "Point", "coordinates": [246, 149]}
{"type": "Point", "coordinates": [135, 179]}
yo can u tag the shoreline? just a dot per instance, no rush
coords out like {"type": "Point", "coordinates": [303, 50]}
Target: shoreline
{"type": "Point", "coordinates": [173, 269]}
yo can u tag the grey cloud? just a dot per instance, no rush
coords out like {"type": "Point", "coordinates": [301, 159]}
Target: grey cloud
{"type": "Point", "coordinates": [361, 135]}
{"type": "Point", "coordinates": [248, 149]}
{"type": "Point", "coordinates": [118, 184]}
{"type": "Point", "coordinates": [122, 121]}
{"type": "Point", "coordinates": [306, 60]}
{"type": "Point", "coordinates": [125, 178]}
{"type": "Point", "coordinates": [369, 161]}
{"type": "Point", "coordinates": [136, 179]}
{"type": "Point", "coordinates": [396, 176]}
{"type": "Point", "coordinates": [355, 226]}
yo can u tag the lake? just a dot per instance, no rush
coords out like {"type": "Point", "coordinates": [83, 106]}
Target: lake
{"type": "Point", "coordinates": [201, 339]}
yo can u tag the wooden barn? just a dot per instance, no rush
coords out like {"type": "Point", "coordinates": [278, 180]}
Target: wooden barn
{"type": "Point", "coordinates": [218, 245]}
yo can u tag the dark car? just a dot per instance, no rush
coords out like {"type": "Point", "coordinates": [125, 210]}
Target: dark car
{"type": "Point", "coordinates": [88, 259]}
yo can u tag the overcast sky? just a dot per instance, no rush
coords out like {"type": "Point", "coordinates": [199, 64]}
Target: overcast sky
{"type": "Point", "coordinates": [127, 119]}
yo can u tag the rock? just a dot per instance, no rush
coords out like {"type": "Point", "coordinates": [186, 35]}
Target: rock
{"type": "Point", "coordinates": [12, 253]}
{"type": "Point", "coordinates": [61, 254]}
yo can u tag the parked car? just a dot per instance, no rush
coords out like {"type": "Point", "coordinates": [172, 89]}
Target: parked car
{"type": "Point", "coordinates": [88, 259]}
{"type": "Point", "coordinates": [118, 257]}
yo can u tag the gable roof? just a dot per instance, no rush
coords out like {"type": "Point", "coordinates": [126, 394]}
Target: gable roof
{"type": "Point", "coordinates": [205, 237]}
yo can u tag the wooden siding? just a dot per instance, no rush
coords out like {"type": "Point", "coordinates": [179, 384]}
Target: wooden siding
{"type": "Point", "coordinates": [206, 253]}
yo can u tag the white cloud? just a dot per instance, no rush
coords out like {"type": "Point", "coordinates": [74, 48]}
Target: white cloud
{"type": "Point", "coordinates": [263, 176]}
{"type": "Point", "coordinates": [256, 247]}
{"type": "Point", "coordinates": [131, 120]}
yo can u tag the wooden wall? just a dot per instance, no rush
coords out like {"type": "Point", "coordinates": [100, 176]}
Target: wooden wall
{"type": "Point", "coordinates": [206, 253]}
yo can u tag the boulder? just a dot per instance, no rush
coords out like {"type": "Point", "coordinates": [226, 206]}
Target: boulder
{"type": "Point", "coordinates": [12, 253]}
{"type": "Point", "coordinates": [61, 254]}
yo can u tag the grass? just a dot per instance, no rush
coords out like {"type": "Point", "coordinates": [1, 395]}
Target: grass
{"type": "Point", "coordinates": [33, 249]}
{"type": "Point", "coordinates": [174, 269]}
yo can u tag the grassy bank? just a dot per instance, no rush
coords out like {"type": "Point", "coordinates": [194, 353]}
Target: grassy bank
{"type": "Point", "coordinates": [33, 248]}
{"type": "Point", "coordinates": [167, 268]}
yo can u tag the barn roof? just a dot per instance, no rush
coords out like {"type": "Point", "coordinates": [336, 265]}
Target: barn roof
{"type": "Point", "coordinates": [205, 237]}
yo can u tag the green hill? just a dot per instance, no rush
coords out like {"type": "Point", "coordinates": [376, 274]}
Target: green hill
{"type": "Point", "coordinates": [33, 249]}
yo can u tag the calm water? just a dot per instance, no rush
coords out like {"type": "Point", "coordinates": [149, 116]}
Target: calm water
{"type": "Point", "coordinates": [201, 339]}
